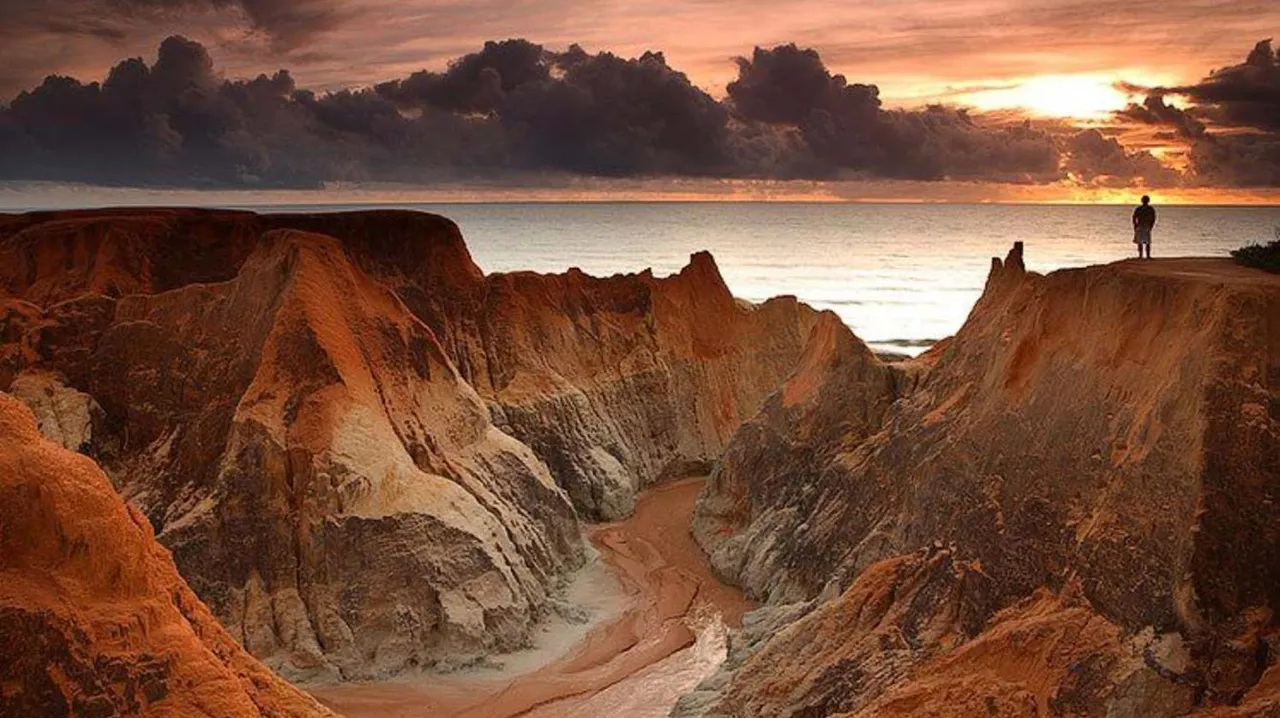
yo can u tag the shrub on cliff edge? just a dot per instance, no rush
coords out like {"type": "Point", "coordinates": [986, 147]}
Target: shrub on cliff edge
{"type": "Point", "coordinates": [1263, 256]}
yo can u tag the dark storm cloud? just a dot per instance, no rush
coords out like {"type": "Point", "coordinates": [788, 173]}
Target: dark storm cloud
{"type": "Point", "coordinates": [515, 105]}
{"type": "Point", "coordinates": [1232, 125]}
{"type": "Point", "coordinates": [172, 121]}
{"type": "Point", "coordinates": [1244, 95]}
{"type": "Point", "coordinates": [613, 116]}
{"type": "Point", "coordinates": [1251, 160]}
{"type": "Point", "coordinates": [477, 82]}
{"type": "Point", "coordinates": [843, 123]}
{"type": "Point", "coordinates": [946, 142]}
{"type": "Point", "coordinates": [500, 109]}
{"type": "Point", "coordinates": [575, 111]}
{"type": "Point", "coordinates": [786, 84]}
{"type": "Point", "coordinates": [1097, 159]}
{"type": "Point", "coordinates": [1155, 110]}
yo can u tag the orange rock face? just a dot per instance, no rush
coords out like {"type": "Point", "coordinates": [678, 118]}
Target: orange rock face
{"type": "Point", "coordinates": [94, 618]}
{"type": "Point", "coordinates": [623, 381]}
{"type": "Point", "coordinates": [367, 456]}
{"type": "Point", "coordinates": [1071, 508]}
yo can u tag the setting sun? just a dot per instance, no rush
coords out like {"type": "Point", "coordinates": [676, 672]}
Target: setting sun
{"type": "Point", "coordinates": [1085, 96]}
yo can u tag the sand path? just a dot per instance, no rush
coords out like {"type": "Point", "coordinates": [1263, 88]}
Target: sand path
{"type": "Point", "coordinates": [668, 635]}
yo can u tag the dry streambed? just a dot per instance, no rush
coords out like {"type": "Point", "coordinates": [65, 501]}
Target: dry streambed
{"type": "Point", "coordinates": [666, 632]}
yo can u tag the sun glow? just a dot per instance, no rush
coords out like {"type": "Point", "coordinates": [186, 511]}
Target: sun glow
{"type": "Point", "coordinates": [1083, 96]}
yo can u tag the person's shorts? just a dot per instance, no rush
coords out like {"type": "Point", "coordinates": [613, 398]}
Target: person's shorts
{"type": "Point", "coordinates": [1142, 235]}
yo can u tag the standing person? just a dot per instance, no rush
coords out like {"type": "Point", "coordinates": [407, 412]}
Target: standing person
{"type": "Point", "coordinates": [1144, 219]}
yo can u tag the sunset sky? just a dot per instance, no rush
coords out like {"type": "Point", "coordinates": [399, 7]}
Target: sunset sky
{"type": "Point", "coordinates": [1138, 75]}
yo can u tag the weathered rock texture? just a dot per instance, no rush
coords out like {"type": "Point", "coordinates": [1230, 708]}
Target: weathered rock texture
{"type": "Point", "coordinates": [623, 381]}
{"type": "Point", "coordinates": [64, 415]}
{"type": "Point", "coordinates": [343, 429]}
{"type": "Point", "coordinates": [1069, 508]}
{"type": "Point", "coordinates": [94, 618]}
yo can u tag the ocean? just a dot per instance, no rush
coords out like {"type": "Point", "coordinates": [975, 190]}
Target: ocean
{"type": "Point", "coordinates": [901, 275]}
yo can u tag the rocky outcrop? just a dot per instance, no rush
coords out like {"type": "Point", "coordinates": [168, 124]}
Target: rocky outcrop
{"type": "Point", "coordinates": [769, 484]}
{"type": "Point", "coordinates": [94, 618]}
{"type": "Point", "coordinates": [620, 382]}
{"type": "Point", "coordinates": [1069, 508]}
{"type": "Point", "coordinates": [364, 453]}
{"type": "Point", "coordinates": [614, 382]}
{"type": "Point", "coordinates": [362, 514]}
{"type": "Point", "coordinates": [65, 416]}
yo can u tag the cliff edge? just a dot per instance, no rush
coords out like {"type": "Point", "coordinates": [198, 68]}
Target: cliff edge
{"type": "Point", "coordinates": [367, 456]}
{"type": "Point", "coordinates": [1071, 506]}
{"type": "Point", "coordinates": [94, 618]}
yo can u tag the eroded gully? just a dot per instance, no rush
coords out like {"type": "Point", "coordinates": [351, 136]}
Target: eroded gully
{"type": "Point", "coordinates": [665, 617]}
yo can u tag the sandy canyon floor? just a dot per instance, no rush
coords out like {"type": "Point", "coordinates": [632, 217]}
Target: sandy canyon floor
{"type": "Point", "coordinates": [658, 618]}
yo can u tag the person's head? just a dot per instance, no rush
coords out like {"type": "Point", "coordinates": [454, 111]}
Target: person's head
{"type": "Point", "coordinates": [1146, 199]}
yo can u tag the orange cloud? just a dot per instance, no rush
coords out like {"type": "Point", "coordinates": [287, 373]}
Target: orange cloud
{"type": "Point", "coordinates": [913, 49]}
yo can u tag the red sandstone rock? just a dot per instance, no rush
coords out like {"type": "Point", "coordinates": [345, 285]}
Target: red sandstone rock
{"type": "Point", "coordinates": [94, 618]}
{"type": "Point", "coordinates": [1097, 449]}
{"type": "Point", "coordinates": [325, 478]}
{"type": "Point", "coordinates": [348, 435]}
{"type": "Point", "coordinates": [623, 381]}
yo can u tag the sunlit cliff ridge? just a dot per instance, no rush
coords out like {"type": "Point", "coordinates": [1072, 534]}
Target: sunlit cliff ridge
{"type": "Point", "coordinates": [332, 444]}
{"type": "Point", "coordinates": [365, 455]}
{"type": "Point", "coordinates": [1069, 508]}
{"type": "Point", "coordinates": [94, 618]}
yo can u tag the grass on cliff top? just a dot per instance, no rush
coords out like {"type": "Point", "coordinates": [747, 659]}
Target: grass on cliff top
{"type": "Point", "coordinates": [1261, 256]}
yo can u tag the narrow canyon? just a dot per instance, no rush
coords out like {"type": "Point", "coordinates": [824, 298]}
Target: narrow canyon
{"type": "Point", "coordinates": [663, 631]}
{"type": "Point", "coordinates": [317, 464]}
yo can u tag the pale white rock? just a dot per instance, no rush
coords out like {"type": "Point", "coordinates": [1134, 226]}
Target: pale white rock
{"type": "Point", "coordinates": [64, 415]}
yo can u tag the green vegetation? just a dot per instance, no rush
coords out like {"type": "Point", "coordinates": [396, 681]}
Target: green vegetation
{"type": "Point", "coordinates": [1263, 256]}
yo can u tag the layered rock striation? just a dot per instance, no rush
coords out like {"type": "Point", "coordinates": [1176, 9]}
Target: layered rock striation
{"type": "Point", "coordinates": [1068, 508]}
{"type": "Point", "coordinates": [94, 618]}
{"type": "Point", "coordinates": [364, 453]}
{"type": "Point", "coordinates": [620, 382]}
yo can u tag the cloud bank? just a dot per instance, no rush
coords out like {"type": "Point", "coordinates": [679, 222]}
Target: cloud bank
{"type": "Point", "coordinates": [515, 106]}
{"type": "Point", "coordinates": [1232, 124]}
{"type": "Point", "coordinates": [912, 48]}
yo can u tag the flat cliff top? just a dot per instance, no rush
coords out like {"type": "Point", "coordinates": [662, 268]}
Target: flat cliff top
{"type": "Point", "coordinates": [1218, 270]}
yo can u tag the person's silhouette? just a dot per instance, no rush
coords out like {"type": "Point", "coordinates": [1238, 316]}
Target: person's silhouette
{"type": "Point", "coordinates": [1144, 219]}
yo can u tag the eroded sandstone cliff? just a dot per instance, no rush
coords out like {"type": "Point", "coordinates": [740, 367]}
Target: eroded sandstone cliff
{"type": "Point", "coordinates": [621, 381]}
{"type": "Point", "coordinates": [364, 453]}
{"type": "Point", "coordinates": [1069, 508]}
{"type": "Point", "coordinates": [94, 618]}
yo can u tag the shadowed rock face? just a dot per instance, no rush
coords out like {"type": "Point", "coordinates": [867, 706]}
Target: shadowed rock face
{"type": "Point", "coordinates": [619, 382]}
{"type": "Point", "coordinates": [1094, 456]}
{"type": "Point", "coordinates": [94, 618]}
{"type": "Point", "coordinates": [353, 441]}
